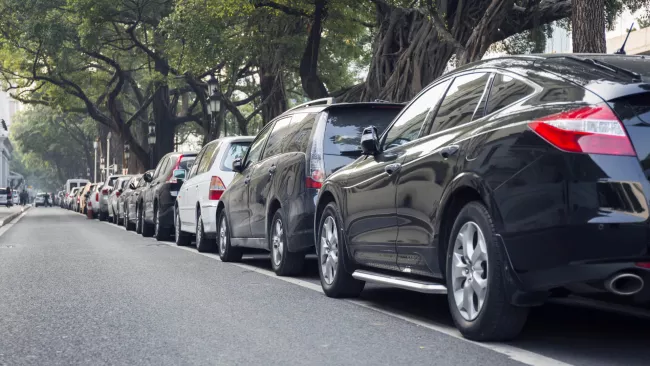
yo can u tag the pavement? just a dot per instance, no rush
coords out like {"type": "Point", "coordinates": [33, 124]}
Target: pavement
{"type": "Point", "coordinates": [7, 213]}
{"type": "Point", "coordinates": [78, 291]}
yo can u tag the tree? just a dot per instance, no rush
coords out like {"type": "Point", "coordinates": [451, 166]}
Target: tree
{"type": "Point", "coordinates": [588, 24]}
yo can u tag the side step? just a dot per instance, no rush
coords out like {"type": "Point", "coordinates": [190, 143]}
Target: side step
{"type": "Point", "coordinates": [400, 282]}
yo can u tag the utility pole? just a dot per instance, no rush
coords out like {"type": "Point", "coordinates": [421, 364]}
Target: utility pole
{"type": "Point", "coordinates": [95, 145]}
{"type": "Point", "coordinates": [108, 155]}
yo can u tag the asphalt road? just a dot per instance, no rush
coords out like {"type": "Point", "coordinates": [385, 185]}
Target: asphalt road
{"type": "Point", "coordinates": [75, 291]}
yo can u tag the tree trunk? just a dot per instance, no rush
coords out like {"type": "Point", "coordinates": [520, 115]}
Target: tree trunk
{"type": "Point", "coordinates": [273, 92]}
{"type": "Point", "coordinates": [311, 82]}
{"type": "Point", "coordinates": [588, 26]}
{"type": "Point", "coordinates": [165, 126]}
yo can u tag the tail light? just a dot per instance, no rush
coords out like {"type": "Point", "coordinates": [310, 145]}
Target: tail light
{"type": "Point", "coordinates": [171, 178]}
{"type": "Point", "coordinates": [316, 161]}
{"type": "Point", "coordinates": [105, 191]}
{"type": "Point", "coordinates": [216, 188]}
{"type": "Point", "coordinates": [643, 265]}
{"type": "Point", "coordinates": [97, 196]}
{"type": "Point", "coordinates": [117, 194]}
{"type": "Point", "coordinates": [591, 130]}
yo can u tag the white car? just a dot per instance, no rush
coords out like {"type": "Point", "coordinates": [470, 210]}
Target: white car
{"type": "Point", "coordinates": [195, 212]}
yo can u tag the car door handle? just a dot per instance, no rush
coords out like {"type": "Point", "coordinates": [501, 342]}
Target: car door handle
{"type": "Point", "coordinates": [247, 179]}
{"type": "Point", "coordinates": [272, 169]}
{"type": "Point", "coordinates": [448, 151]}
{"type": "Point", "coordinates": [390, 169]}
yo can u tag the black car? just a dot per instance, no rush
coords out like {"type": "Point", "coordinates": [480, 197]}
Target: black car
{"type": "Point", "coordinates": [155, 209]}
{"type": "Point", "coordinates": [503, 183]}
{"type": "Point", "coordinates": [271, 201]}
{"type": "Point", "coordinates": [131, 221]}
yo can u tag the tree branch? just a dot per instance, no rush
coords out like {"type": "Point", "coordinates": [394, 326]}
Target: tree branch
{"type": "Point", "coordinates": [283, 8]}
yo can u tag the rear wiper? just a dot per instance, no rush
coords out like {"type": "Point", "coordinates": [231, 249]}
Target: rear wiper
{"type": "Point", "coordinates": [353, 153]}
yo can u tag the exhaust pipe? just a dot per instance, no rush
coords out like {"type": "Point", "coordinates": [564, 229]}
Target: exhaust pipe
{"type": "Point", "coordinates": [624, 284]}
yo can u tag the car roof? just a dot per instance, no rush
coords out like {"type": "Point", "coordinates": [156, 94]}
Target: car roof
{"type": "Point", "coordinates": [328, 107]}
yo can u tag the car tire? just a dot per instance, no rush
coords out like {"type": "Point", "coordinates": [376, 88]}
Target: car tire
{"type": "Point", "coordinates": [493, 318]}
{"type": "Point", "coordinates": [138, 220]}
{"type": "Point", "coordinates": [159, 232]}
{"type": "Point", "coordinates": [102, 215]}
{"type": "Point", "coordinates": [147, 229]}
{"type": "Point", "coordinates": [182, 238]}
{"type": "Point", "coordinates": [203, 243]}
{"type": "Point", "coordinates": [334, 278]}
{"type": "Point", "coordinates": [284, 262]}
{"type": "Point", "coordinates": [227, 252]}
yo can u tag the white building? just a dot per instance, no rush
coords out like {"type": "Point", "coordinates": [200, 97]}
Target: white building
{"type": "Point", "coordinates": [5, 154]}
{"type": "Point", "coordinates": [8, 107]}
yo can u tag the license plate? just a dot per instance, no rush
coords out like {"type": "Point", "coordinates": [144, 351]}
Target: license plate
{"type": "Point", "coordinates": [174, 193]}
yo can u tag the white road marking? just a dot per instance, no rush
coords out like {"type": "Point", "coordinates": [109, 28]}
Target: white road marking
{"type": "Point", "coordinates": [517, 354]}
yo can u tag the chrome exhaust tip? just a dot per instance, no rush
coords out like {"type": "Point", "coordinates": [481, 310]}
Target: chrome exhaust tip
{"type": "Point", "coordinates": [624, 284]}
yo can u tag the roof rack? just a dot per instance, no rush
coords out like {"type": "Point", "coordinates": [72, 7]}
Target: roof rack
{"type": "Point", "coordinates": [322, 101]}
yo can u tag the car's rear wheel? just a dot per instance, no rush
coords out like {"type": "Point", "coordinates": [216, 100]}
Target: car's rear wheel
{"type": "Point", "coordinates": [102, 215]}
{"type": "Point", "coordinates": [284, 262]}
{"type": "Point", "coordinates": [203, 243]}
{"type": "Point", "coordinates": [147, 229]}
{"type": "Point", "coordinates": [182, 238]}
{"type": "Point", "coordinates": [138, 220]}
{"type": "Point", "coordinates": [159, 232]}
{"type": "Point", "coordinates": [476, 289]}
{"type": "Point", "coordinates": [227, 252]}
{"type": "Point", "coordinates": [334, 279]}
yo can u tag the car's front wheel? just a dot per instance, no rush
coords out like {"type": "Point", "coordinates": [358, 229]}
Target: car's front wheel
{"type": "Point", "coordinates": [476, 289]}
{"type": "Point", "coordinates": [182, 238]}
{"type": "Point", "coordinates": [334, 279]}
{"type": "Point", "coordinates": [227, 252]}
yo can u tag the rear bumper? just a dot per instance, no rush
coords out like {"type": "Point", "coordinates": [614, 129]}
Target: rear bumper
{"type": "Point", "coordinates": [209, 216]}
{"type": "Point", "coordinates": [166, 214]}
{"type": "Point", "coordinates": [300, 222]}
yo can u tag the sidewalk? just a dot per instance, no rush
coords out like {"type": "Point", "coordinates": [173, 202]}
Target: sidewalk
{"type": "Point", "coordinates": [5, 212]}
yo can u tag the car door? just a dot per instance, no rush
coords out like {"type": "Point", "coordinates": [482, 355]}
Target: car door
{"type": "Point", "coordinates": [202, 180]}
{"type": "Point", "coordinates": [187, 196]}
{"type": "Point", "coordinates": [151, 191]}
{"type": "Point", "coordinates": [262, 178]}
{"type": "Point", "coordinates": [371, 220]}
{"type": "Point", "coordinates": [430, 166]}
{"type": "Point", "coordinates": [237, 193]}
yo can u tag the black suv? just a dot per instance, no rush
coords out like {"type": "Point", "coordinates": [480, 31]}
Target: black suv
{"type": "Point", "coordinates": [501, 184]}
{"type": "Point", "coordinates": [270, 203]}
{"type": "Point", "coordinates": [155, 209]}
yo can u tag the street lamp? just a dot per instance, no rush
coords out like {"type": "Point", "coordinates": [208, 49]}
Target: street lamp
{"type": "Point", "coordinates": [95, 146]}
{"type": "Point", "coordinates": [102, 165]}
{"type": "Point", "coordinates": [151, 139]}
{"type": "Point", "coordinates": [214, 102]}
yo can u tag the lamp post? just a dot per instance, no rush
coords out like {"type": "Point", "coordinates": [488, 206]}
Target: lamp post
{"type": "Point", "coordinates": [95, 146]}
{"type": "Point", "coordinates": [214, 102]}
{"type": "Point", "coordinates": [108, 154]}
{"type": "Point", "coordinates": [102, 166]}
{"type": "Point", "coordinates": [127, 155]}
{"type": "Point", "coordinates": [151, 139]}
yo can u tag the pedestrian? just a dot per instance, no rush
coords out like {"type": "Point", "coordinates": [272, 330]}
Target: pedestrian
{"type": "Point", "coordinates": [23, 197]}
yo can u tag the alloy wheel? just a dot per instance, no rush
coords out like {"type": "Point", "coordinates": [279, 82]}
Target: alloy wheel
{"type": "Point", "coordinates": [199, 232]}
{"type": "Point", "coordinates": [329, 250]}
{"type": "Point", "coordinates": [223, 234]}
{"type": "Point", "coordinates": [277, 242]}
{"type": "Point", "coordinates": [156, 223]}
{"type": "Point", "coordinates": [470, 270]}
{"type": "Point", "coordinates": [177, 227]}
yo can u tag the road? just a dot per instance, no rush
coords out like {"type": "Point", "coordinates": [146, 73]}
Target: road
{"type": "Point", "coordinates": [76, 291]}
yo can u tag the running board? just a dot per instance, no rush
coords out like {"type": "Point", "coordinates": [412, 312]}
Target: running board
{"type": "Point", "coordinates": [400, 282]}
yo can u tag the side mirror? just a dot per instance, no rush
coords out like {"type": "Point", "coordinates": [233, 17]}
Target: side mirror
{"type": "Point", "coordinates": [179, 174]}
{"type": "Point", "coordinates": [369, 141]}
{"type": "Point", "coordinates": [237, 165]}
{"type": "Point", "coordinates": [132, 185]}
{"type": "Point", "coordinates": [147, 177]}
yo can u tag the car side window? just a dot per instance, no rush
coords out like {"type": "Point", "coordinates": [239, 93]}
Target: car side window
{"type": "Point", "coordinates": [159, 167]}
{"type": "Point", "coordinates": [204, 164]}
{"type": "Point", "coordinates": [505, 91]}
{"type": "Point", "coordinates": [299, 132]}
{"type": "Point", "coordinates": [197, 161]}
{"type": "Point", "coordinates": [408, 125]}
{"type": "Point", "coordinates": [255, 151]}
{"type": "Point", "coordinates": [277, 138]}
{"type": "Point", "coordinates": [461, 101]}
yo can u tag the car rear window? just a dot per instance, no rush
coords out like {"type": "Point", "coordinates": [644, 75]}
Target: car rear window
{"type": "Point", "coordinates": [236, 150]}
{"type": "Point", "coordinates": [111, 181]}
{"type": "Point", "coordinates": [186, 162]}
{"type": "Point", "coordinates": [345, 125]}
{"type": "Point", "coordinates": [4, 191]}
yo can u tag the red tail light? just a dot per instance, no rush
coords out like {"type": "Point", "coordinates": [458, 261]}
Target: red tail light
{"type": "Point", "coordinates": [312, 183]}
{"type": "Point", "coordinates": [170, 178]}
{"type": "Point", "coordinates": [216, 188]}
{"type": "Point", "coordinates": [643, 265]}
{"type": "Point", "coordinates": [97, 196]}
{"type": "Point", "coordinates": [105, 191]}
{"type": "Point", "coordinates": [591, 130]}
{"type": "Point", "coordinates": [117, 194]}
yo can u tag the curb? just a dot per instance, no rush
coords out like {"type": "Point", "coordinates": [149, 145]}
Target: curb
{"type": "Point", "coordinates": [9, 218]}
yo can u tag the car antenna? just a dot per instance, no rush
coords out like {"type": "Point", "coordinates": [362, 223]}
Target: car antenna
{"type": "Point", "coordinates": [621, 51]}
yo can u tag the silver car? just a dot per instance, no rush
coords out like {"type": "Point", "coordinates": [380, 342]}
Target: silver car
{"type": "Point", "coordinates": [113, 198]}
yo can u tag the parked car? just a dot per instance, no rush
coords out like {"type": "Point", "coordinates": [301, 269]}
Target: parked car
{"type": "Point", "coordinates": [93, 199]}
{"type": "Point", "coordinates": [527, 176]}
{"type": "Point", "coordinates": [270, 204]}
{"type": "Point", "coordinates": [131, 205]}
{"type": "Point", "coordinates": [196, 204]}
{"type": "Point", "coordinates": [104, 193]}
{"type": "Point", "coordinates": [72, 198]}
{"type": "Point", "coordinates": [113, 198]}
{"type": "Point", "coordinates": [156, 207]}
{"type": "Point", "coordinates": [129, 189]}
{"type": "Point", "coordinates": [83, 196]}
{"type": "Point", "coordinates": [6, 198]}
{"type": "Point", "coordinates": [39, 200]}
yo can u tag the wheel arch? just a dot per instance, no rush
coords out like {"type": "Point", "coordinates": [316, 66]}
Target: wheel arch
{"type": "Point", "coordinates": [273, 206]}
{"type": "Point", "coordinates": [465, 188]}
